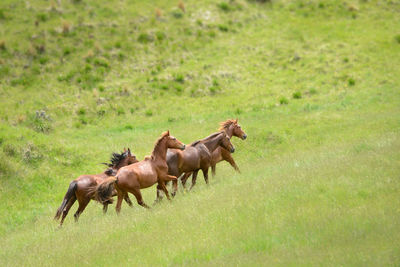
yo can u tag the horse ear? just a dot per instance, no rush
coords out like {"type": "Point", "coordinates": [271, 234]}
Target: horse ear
{"type": "Point", "coordinates": [129, 151]}
{"type": "Point", "coordinates": [236, 120]}
{"type": "Point", "coordinates": [124, 149]}
{"type": "Point", "coordinates": [168, 133]}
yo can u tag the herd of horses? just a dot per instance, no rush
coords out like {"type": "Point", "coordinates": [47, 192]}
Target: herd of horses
{"type": "Point", "coordinates": [171, 160]}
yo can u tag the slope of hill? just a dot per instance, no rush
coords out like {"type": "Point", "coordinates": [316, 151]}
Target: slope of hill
{"type": "Point", "coordinates": [315, 85]}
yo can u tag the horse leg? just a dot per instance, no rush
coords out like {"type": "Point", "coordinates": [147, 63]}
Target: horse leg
{"type": "Point", "coordinates": [227, 156]}
{"type": "Point", "coordinates": [175, 187]}
{"type": "Point", "coordinates": [164, 188]}
{"type": "Point", "coordinates": [213, 169]}
{"type": "Point", "coordinates": [119, 201]}
{"type": "Point", "coordinates": [81, 208]}
{"type": "Point", "coordinates": [205, 174]}
{"type": "Point", "coordinates": [128, 200]}
{"type": "Point", "coordinates": [139, 198]}
{"type": "Point", "coordinates": [70, 202]}
{"type": "Point", "coordinates": [159, 194]}
{"type": "Point", "coordinates": [194, 177]}
{"type": "Point", "coordinates": [105, 207]}
{"type": "Point", "coordinates": [184, 178]}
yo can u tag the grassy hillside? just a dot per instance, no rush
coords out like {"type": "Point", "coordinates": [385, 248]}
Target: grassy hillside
{"type": "Point", "coordinates": [315, 85]}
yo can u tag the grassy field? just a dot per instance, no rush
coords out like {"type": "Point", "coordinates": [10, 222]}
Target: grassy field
{"type": "Point", "coordinates": [315, 85]}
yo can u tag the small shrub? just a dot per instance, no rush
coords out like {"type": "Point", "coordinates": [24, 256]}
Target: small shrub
{"type": "Point", "coordinates": [297, 95]}
{"type": "Point", "coordinates": [148, 113]}
{"type": "Point", "coordinates": [43, 60]}
{"type": "Point", "coordinates": [40, 122]}
{"type": "Point", "coordinates": [179, 78]}
{"type": "Point", "coordinates": [101, 62]}
{"type": "Point", "coordinates": [66, 51]}
{"type": "Point", "coordinates": [145, 38]}
{"type": "Point", "coordinates": [31, 154]}
{"type": "Point", "coordinates": [41, 17]}
{"type": "Point", "coordinates": [223, 28]}
{"type": "Point", "coordinates": [283, 100]}
{"type": "Point", "coordinates": [128, 127]}
{"type": "Point", "coordinates": [121, 55]}
{"type": "Point", "coordinates": [2, 14]}
{"type": "Point", "coordinates": [224, 6]}
{"type": "Point", "coordinates": [212, 34]}
{"type": "Point", "coordinates": [179, 89]}
{"type": "Point", "coordinates": [81, 111]}
{"type": "Point", "coordinates": [160, 36]}
{"type": "Point", "coordinates": [101, 112]}
{"type": "Point", "coordinates": [213, 89]}
{"type": "Point", "coordinates": [312, 91]}
{"type": "Point", "coordinates": [397, 38]}
{"type": "Point", "coordinates": [351, 82]}
{"type": "Point", "coordinates": [10, 150]}
{"type": "Point", "coordinates": [83, 120]}
{"type": "Point", "coordinates": [178, 14]}
{"type": "Point", "coordinates": [164, 87]}
{"type": "Point", "coordinates": [120, 111]}
{"type": "Point", "coordinates": [3, 45]}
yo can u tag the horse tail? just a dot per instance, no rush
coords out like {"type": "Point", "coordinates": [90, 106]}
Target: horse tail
{"type": "Point", "coordinates": [213, 168]}
{"type": "Point", "coordinates": [104, 191]}
{"type": "Point", "coordinates": [70, 192]}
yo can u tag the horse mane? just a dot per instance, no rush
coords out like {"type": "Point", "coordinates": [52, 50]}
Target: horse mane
{"type": "Point", "coordinates": [158, 142]}
{"type": "Point", "coordinates": [208, 137]}
{"type": "Point", "coordinates": [225, 124]}
{"type": "Point", "coordinates": [116, 159]}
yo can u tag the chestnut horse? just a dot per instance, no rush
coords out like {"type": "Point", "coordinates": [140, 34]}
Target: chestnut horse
{"type": "Point", "coordinates": [143, 174]}
{"type": "Point", "coordinates": [197, 156]}
{"type": "Point", "coordinates": [81, 188]}
{"type": "Point", "coordinates": [231, 128]}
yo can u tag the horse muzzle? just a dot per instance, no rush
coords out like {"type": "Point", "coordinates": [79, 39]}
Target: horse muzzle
{"type": "Point", "coordinates": [232, 149]}
{"type": "Point", "coordinates": [183, 147]}
{"type": "Point", "coordinates": [244, 137]}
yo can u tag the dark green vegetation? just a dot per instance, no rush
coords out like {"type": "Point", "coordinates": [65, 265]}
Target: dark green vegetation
{"type": "Point", "coordinates": [315, 85]}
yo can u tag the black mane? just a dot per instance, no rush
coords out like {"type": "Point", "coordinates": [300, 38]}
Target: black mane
{"type": "Point", "coordinates": [116, 159]}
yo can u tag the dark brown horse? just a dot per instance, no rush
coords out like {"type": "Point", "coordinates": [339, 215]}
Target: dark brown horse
{"type": "Point", "coordinates": [81, 188]}
{"type": "Point", "coordinates": [197, 156]}
{"type": "Point", "coordinates": [231, 128]}
{"type": "Point", "coordinates": [143, 174]}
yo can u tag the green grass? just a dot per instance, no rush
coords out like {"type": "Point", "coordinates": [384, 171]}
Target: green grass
{"type": "Point", "coordinates": [314, 85]}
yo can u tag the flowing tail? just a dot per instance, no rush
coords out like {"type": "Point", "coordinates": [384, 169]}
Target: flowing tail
{"type": "Point", "coordinates": [213, 169]}
{"type": "Point", "coordinates": [70, 192]}
{"type": "Point", "coordinates": [104, 191]}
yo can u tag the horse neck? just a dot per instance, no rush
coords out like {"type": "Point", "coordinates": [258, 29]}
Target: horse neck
{"type": "Point", "coordinates": [160, 150]}
{"type": "Point", "coordinates": [212, 143]}
{"type": "Point", "coordinates": [229, 131]}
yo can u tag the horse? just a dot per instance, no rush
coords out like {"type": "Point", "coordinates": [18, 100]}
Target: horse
{"type": "Point", "coordinates": [130, 179]}
{"type": "Point", "coordinates": [231, 128]}
{"type": "Point", "coordinates": [197, 156]}
{"type": "Point", "coordinates": [81, 188]}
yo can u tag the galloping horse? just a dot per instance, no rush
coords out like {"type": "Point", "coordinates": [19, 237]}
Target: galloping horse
{"type": "Point", "coordinates": [81, 188]}
{"type": "Point", "coordinates": [231, 128]}
{"type": "Point", "coordinates": [197, 156]}
{"type": "Point", "coordinates": [130, 179]}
